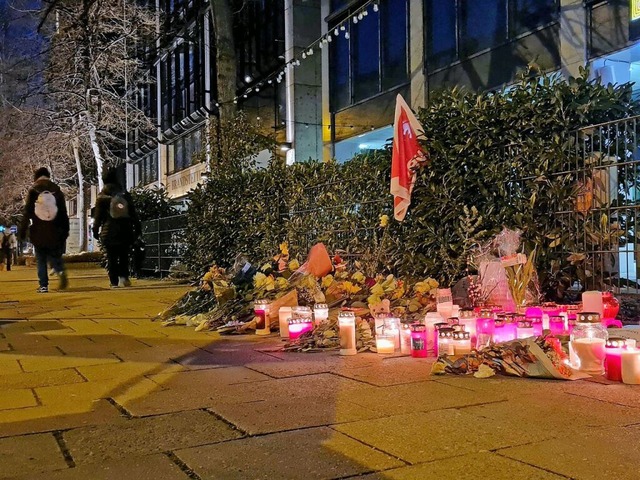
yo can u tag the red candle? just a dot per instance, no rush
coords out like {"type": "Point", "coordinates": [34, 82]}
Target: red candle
{"type": "Point", "coordinates": [556, 325]}
{"type": "Point", "coordinates": [613, 358]}
{"type": "Point", "coordinates": [418, 340]}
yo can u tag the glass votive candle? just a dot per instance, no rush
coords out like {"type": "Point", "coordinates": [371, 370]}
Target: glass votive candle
{"type": "Point", "coordinates": [431, 319]}
{"type": "Point", "coordinates": [284, 314]}
{"type": "Point", "coordinates": [405, 338]}
{"type": "Point", "coordinates": [347, 326]}
{"type": "Point", "coordinates": [418, 340]}
{"type": "Point", "coordinates": [392, 328]}
{"type": "Point", "coordinates": [468, 319]}
{"type": "Point", "coordinates": [301, 321]}
{"type": "Point", "coordinates": [261, 310]}
{"type": "Point", "coordinates": [320, 313]}
{"type": "Point", "coordinates": [587, 344]}
{"type": "Point", "coordinates": [556, 324]}
{"type": "Point", "coordinates": [461, 343]}
{"type": "Point", "coordinates": [385, 343]}
{"type": "Point", "coordinates": [631, 363]}
{"type": "Point", "coordinates": [452, 321]}
{"type": "Point", "coordinates": [613, 358]}
{"type": "Point", "coordinates": [445, 342]}
{"type": "Point", "coordinates": [524, 328]}
{"type": "Point", "coordinates": [498, 330]}
{"type": "Point", "coordinates": [436, 336]}
{"type": "Point", "coordinates": [485, 327]}
{"type": "Point", "coordinates": [536, 324]}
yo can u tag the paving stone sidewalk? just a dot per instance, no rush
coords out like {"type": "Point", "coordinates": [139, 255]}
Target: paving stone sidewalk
{"type": "Point", "coordinates": [91, 388]}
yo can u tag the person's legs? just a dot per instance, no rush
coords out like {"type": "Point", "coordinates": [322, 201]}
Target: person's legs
{"type": "Point", "coordinates": [55, 258]}
{"type": "Point", "coordinates": [123, 266]}
{"type": "Point", "coordinates": [8, 260]}
{"type": "Point", "coordinates": [112, 264]}
{"type": "Point", "coordinates": [41, 261]}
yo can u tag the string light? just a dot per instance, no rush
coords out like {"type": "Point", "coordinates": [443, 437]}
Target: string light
{"type": "Point", "coordinates": [355, 19]}
{"type": "Point", "coordinates": [346, 35]}
{"type": "Point", "coordinates": [375, 7]}
{"type": "Point", "coordinates": [304, 55]}
{"type": "Point", "coordinates": [336, 32]}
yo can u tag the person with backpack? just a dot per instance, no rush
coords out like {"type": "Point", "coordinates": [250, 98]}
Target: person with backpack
{"type": "Point", "coordinates": [9, 244]}
{"type": "Point", "coordinates": [116, 225]}
{"type": "Point", "coordinates": [46, 223]}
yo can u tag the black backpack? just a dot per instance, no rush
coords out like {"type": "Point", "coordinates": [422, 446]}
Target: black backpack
{"type": "Point", "coordinates": [119, 207]}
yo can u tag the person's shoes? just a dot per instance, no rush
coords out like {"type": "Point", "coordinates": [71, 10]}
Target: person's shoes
{"type": "Point", "coordinates": [64, 281]}
{"type": "Point", "coordinates": [53, 272]}
{"type": "Point", "coordinates": [115, 286]}
{"type": "Point", "coordinates": [42, 290]}
{"type": "Point", "coordinates": [124, 282]}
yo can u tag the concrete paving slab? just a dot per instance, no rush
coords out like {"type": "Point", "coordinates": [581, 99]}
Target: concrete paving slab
{"type": "Point", "coordinates": [316, 453]}
{"type": "Point", "coordinates": [150, 467]}
{"type": "Point", "coordinates": [146, 435]}
{"type": "Point", "coordinates": [39, 379]}
{"type": "Point", "coordinates": [207, 379]}
{"type": "Point", "coordinates": [9, 364]}
{"type": "Point", "coordinates": [593, 454]}
{"type": "Point", "coordinates": [391, 371]}
{"type": "Point", "coordinates": [45, 419]}
{"type": "Point", "coordinates": [422, 437]}
{"type": "Point", "coordinates": [467, 467]}
{"type": "Point", "coordinates": [617, 393]}
{"type": "Point", "coordinates": [29, 454]}
{"type": "Point", "coordinates": [129, 370]}
{"type": "Point", "coordinates": [12, 399]}
{"type": "Point", "coordinates": [44, 363]}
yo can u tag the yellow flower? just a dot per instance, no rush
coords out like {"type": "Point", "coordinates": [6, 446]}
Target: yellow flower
{"type": "Point", "coordinates": [270, 283]}
{"type": "Point", "coordinates": [432, 282]}
{"type": "Point", "coordinates": [208, 277]}
{"type": "Point", "coordinates": [259, 280]}
{"type": "Point", "coordinates": [422, 287]}
{"type": "Point", "coordinates": [265, 267]}
{"type": "Point", "coordinates": [377, 290]}
{"type": "Point", "coordinates": [349, 288]}
{"type": "Point", "coordinates": [358, 277]}
{"type": "Point", "coordinates": [284, 248]}
{"type": "Point", "coordinates": [384, 220]}
{"type": "Point", "coordinates": [398, 293]}
{"type": "Point", "coordinates": [294, 265]}
{"type": "Point", "coordinates": [281, 283]}
{"type": "Point", "coordinates": [373, 300]}
{"type": "Point", "coordinates": [206, 287]}
{"type": "Point", "coordinates": [327, 281]}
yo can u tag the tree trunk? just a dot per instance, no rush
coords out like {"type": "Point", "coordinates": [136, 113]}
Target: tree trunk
{"type": "Point", "coordinates": [225, 56]}
{"type": "Point", "coordinates": [82, 236]}
{"type": "Point", "coordinates": [95, 147]}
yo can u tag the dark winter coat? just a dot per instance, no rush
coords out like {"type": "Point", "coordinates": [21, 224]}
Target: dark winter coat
{"type": "Point", "coordinates": [41, 233]}
{"type": "Point", "coordinates": [114, 231]}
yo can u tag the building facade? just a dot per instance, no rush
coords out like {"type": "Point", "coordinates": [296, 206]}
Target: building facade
{"type": "Point", "coordinates": [341, 100]}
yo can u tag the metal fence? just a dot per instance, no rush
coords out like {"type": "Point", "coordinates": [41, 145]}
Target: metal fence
{"type": "Point", "coordinates": [607, 169]}
{"type": "Point", "coordinates": [165, 246]}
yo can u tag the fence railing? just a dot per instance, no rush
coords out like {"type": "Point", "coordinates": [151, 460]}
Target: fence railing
{"type": "Point", "coordinates": [165, 246]}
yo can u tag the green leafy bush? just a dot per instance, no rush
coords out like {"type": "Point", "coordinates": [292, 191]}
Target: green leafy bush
{"type": "Point", "coordinates": [152, 203]}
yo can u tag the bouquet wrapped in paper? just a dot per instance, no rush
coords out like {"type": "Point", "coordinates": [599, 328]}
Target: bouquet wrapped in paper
{"type": "Point", "coordinates": [534, 357]}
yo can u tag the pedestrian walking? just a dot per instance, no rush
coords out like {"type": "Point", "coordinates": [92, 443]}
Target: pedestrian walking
{"type": "Point", "coordinates": [116, 225]}
{"type": "Point", "coordinates": [13, 247]}
{"type": "Point", "coordinates": [9, 244]}
{"type": "Point", "coordinates": [46, 223]}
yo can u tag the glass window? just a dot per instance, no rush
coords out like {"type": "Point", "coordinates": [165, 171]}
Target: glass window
{"type": "Point", "coordinates": [393, 25]}
{"type": "Point", "coordinates": [366, 57]}
{"type": "Point", "coordinates": [530, 14]}
{"type": "Point", "coordinates": [483, 24]}
{"type": "Point", "coordinates": [441, 32]}
{"type": "Point", "coordinates": [179, 154]}
{"type": "Point", "coordinates": [605, 28]}
{"type": "Point", "coordinates": [338, 4]}
{"type": "Point", "coordinates": [340, 92]}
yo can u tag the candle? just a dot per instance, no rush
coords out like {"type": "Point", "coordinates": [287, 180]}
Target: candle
{"type": "Point", "coordinates": [261, 309]}
{"type": "Point", "coordinates": [556, 325]}
{"type": "Point", "coordinates": [298, 326]}
{"type": "Point", "coordinates": [613, 358]}
{"type": "Point", "coordinates": [485, 327]}
{"type": "Point", "coordinates": [444, 302]}
{"type": "Point", "coordinates": [461, 343]}
{"type": "Point", "coordinates": [284, 314]}
{"type": "Point", "coordinates": [592, 302]}
{"type": "Point", "coordinates": [430, 320]}
{"type": "Point", "coordinates": [536, 324]}
{"type": "Point", "coordinates": [589, 354]}
{"type": "Point", "coordinates": [468, 319]}
{"type": "Point", "coordinates": [405, 338]}
{"type": "Point", "coordinates": [418, 340]}
{"type": "Point", "coordinates": [524, 328]}
{"type": "Point", "coordinates": [347, 325]}
{"type": "Point", "coordinates": [385, 343]}
{"type": "Point", "coordinates": [630, 364]}
{"type": "Point", "coordinates": [436, 336]}
{"type": "Point", "coordinates": [445, 342]}
{"type": "Point", "coordinates": [320, 313]}
{"type": "Point", "coordinates": [392, 328]}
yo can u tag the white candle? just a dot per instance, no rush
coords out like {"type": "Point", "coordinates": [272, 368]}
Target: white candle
{"type": "Point", "coordinates": [590, 354]}
{"type": "Point", "coordinates": [405, 339]}
{"type": "Point", "coordinates": [284, 314]}
{"type": "Point", "coordinates": [631, 364]}
{"type": "Point", "coordinates": [320, 313]}
{"type": "Point", "coordinates": [385, 344]}
{"type": "Point", "coordinates": [592, 302]}
{"type": "Point", "coordinates": [347, 325]}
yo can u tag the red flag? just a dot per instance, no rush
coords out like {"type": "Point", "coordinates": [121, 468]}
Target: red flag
{"type": "Point", "coordinates": [407, 156]}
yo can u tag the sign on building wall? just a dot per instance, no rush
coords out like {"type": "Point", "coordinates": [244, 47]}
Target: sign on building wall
{"type": "Point", "coordinates": [179, 184]}
{"type": "Point", "coordinates": [634, 10]}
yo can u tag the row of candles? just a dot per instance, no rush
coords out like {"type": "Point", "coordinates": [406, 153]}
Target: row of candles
{"type": "Point", "coordinates": [591, 351]}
